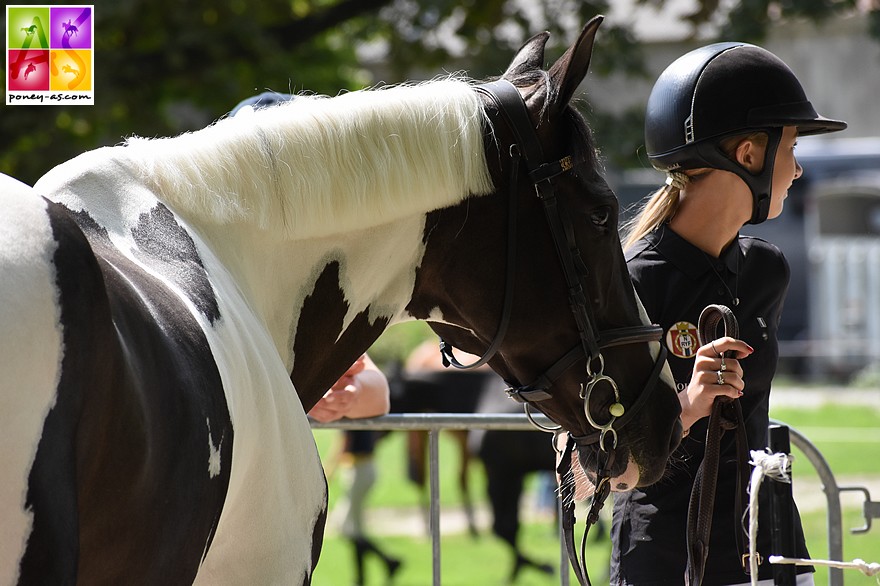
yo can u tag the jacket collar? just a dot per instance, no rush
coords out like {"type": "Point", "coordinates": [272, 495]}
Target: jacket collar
{"type": "Point", "coordinates": [688, 258]}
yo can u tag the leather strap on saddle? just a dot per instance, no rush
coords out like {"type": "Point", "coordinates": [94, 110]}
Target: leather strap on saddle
{"type": "Point", "coordinates": [726, 416]}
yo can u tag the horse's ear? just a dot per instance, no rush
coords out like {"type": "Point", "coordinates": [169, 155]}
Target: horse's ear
{"type": "Point", "coordinates": [569, 70]}
{"type": "Point", "coordinates": [529, 57]}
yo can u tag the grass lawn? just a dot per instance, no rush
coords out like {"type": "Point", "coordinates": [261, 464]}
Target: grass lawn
{"type": "Point", "coordinates": [847, 436]}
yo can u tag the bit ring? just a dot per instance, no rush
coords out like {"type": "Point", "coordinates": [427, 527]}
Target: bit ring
{"type": "Point", "coordinates": [720, 374]}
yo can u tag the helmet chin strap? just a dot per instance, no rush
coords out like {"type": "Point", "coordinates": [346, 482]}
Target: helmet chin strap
{"type": "Point", "coordinates": [760, 183]}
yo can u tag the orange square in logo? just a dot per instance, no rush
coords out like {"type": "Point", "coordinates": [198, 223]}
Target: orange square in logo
{"type": "Point", "coordinates": [70, 70]}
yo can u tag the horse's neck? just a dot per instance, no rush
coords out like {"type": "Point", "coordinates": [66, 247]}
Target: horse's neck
{"type": "Point", "coordinates": [342, 282]}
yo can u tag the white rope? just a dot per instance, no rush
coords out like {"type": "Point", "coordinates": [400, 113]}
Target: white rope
{"type": "Point", "coordinates": [778, 467]}
{"type": "Point", "coordinates": [868, 569]}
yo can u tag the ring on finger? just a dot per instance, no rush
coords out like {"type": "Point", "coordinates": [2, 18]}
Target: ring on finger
{"type": "Point", "coordinates": [723, 364]}
{"type": "Point", "coordinates": [716, 350]}
{"type": "Point", "coordinates": [720, 375]}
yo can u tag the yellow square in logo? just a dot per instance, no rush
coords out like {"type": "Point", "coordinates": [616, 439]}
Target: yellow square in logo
{"type": "Point", "coordinates": [70, 70]}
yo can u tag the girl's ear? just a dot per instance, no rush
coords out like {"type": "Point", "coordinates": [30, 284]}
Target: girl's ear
{"type": "Point", "coordinates": [750, 155]}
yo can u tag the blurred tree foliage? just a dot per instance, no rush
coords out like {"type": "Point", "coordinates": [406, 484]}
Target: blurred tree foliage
{"type": "Point", "coordinates": [167, 66]}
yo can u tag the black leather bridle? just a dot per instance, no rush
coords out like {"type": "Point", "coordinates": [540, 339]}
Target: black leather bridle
{"type": "Point", "coordinates": [526, 149]}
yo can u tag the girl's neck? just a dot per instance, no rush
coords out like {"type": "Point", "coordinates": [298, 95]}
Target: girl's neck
{"type": "Point", "coordinates": [712, 211]}
{"type": "Point", "coordinates": [710, 237]}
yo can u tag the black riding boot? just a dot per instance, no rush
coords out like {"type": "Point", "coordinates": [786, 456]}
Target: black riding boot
{"type": "Point", "coordinates": [362, 545]}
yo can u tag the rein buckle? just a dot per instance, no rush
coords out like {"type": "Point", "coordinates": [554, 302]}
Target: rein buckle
{"type": "Point", "coordinates": [746, 558]}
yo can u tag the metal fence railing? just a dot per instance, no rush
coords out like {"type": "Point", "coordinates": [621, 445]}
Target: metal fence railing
{"type": "Point", "coordinates": [832, 490]}
{"type": "Point", "coordinates": [434, 423]}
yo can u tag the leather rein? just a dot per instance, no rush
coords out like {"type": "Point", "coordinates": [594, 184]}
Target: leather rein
{"type": "Point", "coordinates": [726, 416]}
{"type": "Point", "coordinates": [526, 149]}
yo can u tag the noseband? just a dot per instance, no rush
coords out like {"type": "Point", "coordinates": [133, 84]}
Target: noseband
{"type": "Point", "coordinates": [526, 149]}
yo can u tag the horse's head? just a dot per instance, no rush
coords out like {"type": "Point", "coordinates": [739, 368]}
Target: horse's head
{"type": "Point", "coordinates": [557, 308]}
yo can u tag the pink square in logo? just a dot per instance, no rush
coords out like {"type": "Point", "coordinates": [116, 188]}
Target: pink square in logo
{"type": "Point", "coordinates": [27, 70]}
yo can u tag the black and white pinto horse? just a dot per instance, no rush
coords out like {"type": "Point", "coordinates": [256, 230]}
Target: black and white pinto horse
{"type": "Point", "coordinates": [170, 308]}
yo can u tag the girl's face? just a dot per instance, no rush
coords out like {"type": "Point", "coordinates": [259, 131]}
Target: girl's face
{"type": "Point", "coordinates": [785, 170]}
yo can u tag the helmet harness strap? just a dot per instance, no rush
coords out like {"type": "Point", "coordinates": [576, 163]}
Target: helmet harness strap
{"type": "Point", "coordinates": [760, 183]}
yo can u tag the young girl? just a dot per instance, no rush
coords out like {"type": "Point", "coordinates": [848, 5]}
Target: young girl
{"type": "Point", "coordinates": [722, 122]}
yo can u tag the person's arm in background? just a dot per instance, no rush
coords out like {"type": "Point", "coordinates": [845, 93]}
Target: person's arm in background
{"type": "Point", "coordinates": [361, 392]}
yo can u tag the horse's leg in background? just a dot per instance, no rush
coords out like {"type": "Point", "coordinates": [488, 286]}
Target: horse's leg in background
{"type": "Point", "coordinates": [508, 457]}
{"type": "Point", "coordinates": [431, 387]}
{"type": "Point", "coordinates": [416, 453]}
{"type": "Point", "coordinates": [461, 440]}
{"type": "Point", "coordinates": [417, 471]}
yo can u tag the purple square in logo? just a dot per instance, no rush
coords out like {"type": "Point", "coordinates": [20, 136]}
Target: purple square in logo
{"type": "Point", "coordinates": [71, 27]}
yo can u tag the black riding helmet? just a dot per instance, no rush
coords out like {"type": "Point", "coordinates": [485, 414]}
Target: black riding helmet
{"type": "Point", "coordinates": [722, 90]}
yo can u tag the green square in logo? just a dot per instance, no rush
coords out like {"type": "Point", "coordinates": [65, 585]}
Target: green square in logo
{"type": "Point", "coordinates": [27, 27]}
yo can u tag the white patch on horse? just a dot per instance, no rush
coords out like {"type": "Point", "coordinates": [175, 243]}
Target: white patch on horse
{"type": "Point", "coordinates": [276, 485]}
{"type": "Point", "coordinates": [100, 183]}
{"type": "Point", "coordinates": [397, 249]}
{"type": "Point", "coordinates": [213, 454]}
{"type": "Point", "coordinates": [665, 373]}
{"type": "Point", "coordinates": [30, 356]}
{"type": "Point", "coordinates": [436, 316]}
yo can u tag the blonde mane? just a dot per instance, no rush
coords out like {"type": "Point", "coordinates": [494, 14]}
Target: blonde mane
{"type": "Point", "coordinates": [316, 166]}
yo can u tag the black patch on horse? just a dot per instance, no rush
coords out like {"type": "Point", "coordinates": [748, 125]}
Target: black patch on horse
{"type": "Point", "coordinates": [318, 537]}
{"type": "Point", "coordinates": [319, 328]}
{"type": "Point", "coordinates": [164, 245]}
{"type": "Point", "coordinates": [121, 487]}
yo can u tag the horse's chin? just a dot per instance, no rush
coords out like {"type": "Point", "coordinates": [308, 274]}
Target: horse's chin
{"type": "Point", "coordinates": [628, 480]}
{"type": "Point", "coordinates": [624, 482]}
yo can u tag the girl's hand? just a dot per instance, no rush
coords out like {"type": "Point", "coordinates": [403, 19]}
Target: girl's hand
{"type": "Point", "coordinates": [713, 376]}
{"type": "Point", "coordinates": [361, 392]}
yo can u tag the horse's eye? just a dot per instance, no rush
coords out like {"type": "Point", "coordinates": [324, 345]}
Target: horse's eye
{"type": "Point", "coordinates": [600, 217]}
